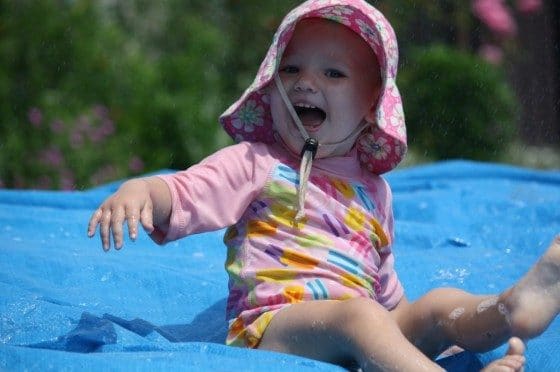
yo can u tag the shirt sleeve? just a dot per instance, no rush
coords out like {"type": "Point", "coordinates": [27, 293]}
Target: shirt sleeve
{"type": "Point", "coordinates": [392, 290]}
{"type": "Point", "coordinates": [214, 193]}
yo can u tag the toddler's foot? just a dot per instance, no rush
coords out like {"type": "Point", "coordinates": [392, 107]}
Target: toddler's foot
{"type": "Point", "coordinates": [513, 361]}
{"type": "Point", "coordinates": [534, 301]}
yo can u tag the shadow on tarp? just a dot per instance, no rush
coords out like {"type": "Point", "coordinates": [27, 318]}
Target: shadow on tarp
{"type": "Point", "coordinates": [93, 332]}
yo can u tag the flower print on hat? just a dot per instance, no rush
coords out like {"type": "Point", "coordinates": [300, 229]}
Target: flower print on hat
{"type": "Point", "coordinates": [381, 146]}
{"type": "Point", "coordinates": [248, 117]}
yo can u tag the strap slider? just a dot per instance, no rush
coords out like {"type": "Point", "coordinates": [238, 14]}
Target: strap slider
{"type": "Point", "coordinates": [311, 144]}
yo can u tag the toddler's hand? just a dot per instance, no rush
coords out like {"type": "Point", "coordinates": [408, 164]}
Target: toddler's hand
{"type": "Point", "coordinates": [132, 202]}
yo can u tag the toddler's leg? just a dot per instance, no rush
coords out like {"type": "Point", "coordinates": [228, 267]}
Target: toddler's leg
{"type": "Point", "coordinates": [534, 301]}
{"type": "Point", "coordinates": [448, 316]}
{"type": "Point", "coordinates": [357, 331]}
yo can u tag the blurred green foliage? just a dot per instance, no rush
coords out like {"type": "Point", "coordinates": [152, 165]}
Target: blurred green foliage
{"type": "Point", "coordinates": [457, 104]}
{"type": "Point", "coordinates": [92, 91]}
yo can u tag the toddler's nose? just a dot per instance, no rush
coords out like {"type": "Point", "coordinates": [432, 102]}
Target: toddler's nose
{"type": "Point", "coordinates": [305, 83]}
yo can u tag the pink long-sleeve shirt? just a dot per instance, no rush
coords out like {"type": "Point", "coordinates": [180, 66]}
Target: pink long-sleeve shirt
{"type": "Point", "coordinates": [341, 249]}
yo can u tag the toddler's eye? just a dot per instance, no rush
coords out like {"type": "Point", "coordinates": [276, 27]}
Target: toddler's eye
{"type": "Point", "coordinates": [332, 73]}
{"type": "Point", "coordinates": [289, 69]}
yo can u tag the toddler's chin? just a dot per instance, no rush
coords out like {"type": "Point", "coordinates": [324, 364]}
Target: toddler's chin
{"type": "Point", "coordinates": [292, 146]}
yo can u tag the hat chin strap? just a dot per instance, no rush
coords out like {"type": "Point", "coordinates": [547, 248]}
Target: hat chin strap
{"type": "Point", "coordinates": [310, 148]}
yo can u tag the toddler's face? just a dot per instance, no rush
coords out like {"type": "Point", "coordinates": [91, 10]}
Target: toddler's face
{"type": "Point", "coordinates": [332, 79]}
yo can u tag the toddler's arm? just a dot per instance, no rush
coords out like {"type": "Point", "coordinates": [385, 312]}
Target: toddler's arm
{"type": "Point", "coordinates": [147, 200]}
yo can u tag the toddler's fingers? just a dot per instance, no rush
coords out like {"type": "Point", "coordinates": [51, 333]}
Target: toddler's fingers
{"type": "Point", "coordinates": [146, 218]}
{"type": "Point", "coordinates": [132, 221]}
{"type": "Point", "coordinates": [93, 222]}
{"type": "Point", "coordinates": [117, 221]}
{"type": "Point", "coordinates": [104, 229]}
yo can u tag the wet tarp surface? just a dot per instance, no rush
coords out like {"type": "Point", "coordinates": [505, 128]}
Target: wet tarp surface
{"type": "Point", "coordinates": [67, 305]}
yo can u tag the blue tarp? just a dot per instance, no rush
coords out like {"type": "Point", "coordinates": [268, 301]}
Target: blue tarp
{"type": "Point", "coordinates": [67, 305]}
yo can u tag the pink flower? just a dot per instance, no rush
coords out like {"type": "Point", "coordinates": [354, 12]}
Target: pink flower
{"type": "Point", "coordinates": [52, 157]}
{"type": "Point", "coordinates": [57, 126]}
{"type": "Point", "coordinates": [136, 164]}
{"type": "Point", "coordinates": [491, 53]}
{"type": "Point", "coordinates": [100, 133]}
{"type": "Point", "coordinates": [67, 180]}
{"type": "Point", "coordinates": [96, 136]}
{"type": "Point", "coordinates": [101, 111]}
{"type": "Point", "coordinates": [76, 139]}
{"type": "Point", "coordinates": [106, 173]}
{"type": "Point", "coordinates": [107, 127]}
{"type": "Point", "coordinates": [35, 116]}
{"type": "Point", "coordinates": [496, 16]}
{"type": "Point", "coordinates": [43, 183]}
{"type": "Point", "coordinates": [529, 6]}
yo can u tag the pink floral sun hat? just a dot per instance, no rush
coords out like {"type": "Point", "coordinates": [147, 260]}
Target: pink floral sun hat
{"type": "Point", "coordinates": [381, 147]}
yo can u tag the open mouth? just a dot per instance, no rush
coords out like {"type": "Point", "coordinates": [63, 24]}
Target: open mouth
{"type": "Point", "coordinates": [309, 115]}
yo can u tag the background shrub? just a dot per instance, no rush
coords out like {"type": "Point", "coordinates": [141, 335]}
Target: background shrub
{"type": "Point", "coordinates": [457, 105]}
{"type": "Point", "coordinates": [91, 93]}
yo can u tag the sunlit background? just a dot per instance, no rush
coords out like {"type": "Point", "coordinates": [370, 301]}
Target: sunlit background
{"type": "Point", "coordinates": [95, 91]}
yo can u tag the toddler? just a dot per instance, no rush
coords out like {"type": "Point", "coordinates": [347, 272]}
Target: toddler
{"type": "Point", "coordinates": [310, 223]}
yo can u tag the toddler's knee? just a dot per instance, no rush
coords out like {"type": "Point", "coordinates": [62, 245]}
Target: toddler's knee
{"type": "Point", "coordinates": [444, 292]}
{"type": "Point", "coordinates": [525, 325]}
{"type": "Point", "coordinates": [354, 313]}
